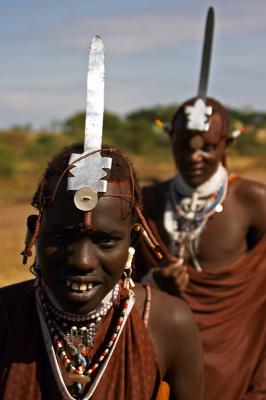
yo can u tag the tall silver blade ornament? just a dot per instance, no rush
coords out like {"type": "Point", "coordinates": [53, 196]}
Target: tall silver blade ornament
{"type": "Point", "coordinates": [198, 113]}
{"type": "Point", "coordinates": [206, 54]}
{"type": "Point", "coordinates": [88, 169]}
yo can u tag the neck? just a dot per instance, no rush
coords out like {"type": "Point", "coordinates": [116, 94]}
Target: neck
{"type": "Point", "coordinates": [211, 186]}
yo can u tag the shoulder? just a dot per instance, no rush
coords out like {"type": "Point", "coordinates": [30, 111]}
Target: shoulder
{"type": "Point", "coordinates": [12, 294]}
{"type": "Point", "coordinates": [16, 289]}
{"type": "Point", "coordinates": [156, 187]}
{"type": "Point", "coordinates": [172, 313]}
{"type": "Point", "coordinates": [171, 325]}
{"type": "Point", "coordinates": [250, 198]}
{"type": "Point", "coordinates": [154, 197]}
{"type": "Point", "coordinates": [249, 191]}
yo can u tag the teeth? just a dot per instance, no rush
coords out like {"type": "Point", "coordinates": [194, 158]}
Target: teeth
{"type": "Point", "coordinates": [75, 286]}
{"type": "Point", "coordinates": [82, 287]}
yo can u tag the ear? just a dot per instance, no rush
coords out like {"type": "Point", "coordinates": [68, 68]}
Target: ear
{"type": "Point", "coordinates": [135, 234]}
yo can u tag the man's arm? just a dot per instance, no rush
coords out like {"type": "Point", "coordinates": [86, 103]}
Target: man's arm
{"type": "Point", "coordinates": [253, 197]}
{"type": "Point", "coordinates": [178, 346]}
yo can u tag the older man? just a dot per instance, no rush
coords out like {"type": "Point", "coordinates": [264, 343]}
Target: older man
{"type": "Point", "coordinates": [211, 226]}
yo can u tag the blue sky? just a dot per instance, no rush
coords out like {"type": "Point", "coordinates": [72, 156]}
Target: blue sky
{"type": "Point", "coordinates": [153, 53]}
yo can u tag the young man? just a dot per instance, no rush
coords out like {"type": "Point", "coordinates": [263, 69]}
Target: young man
{"type": "Point", "coordinates": [211, 227]}
{"type": "Point", "coordinates": [81, 330]}
{"type": "Point", "coordinates": [56, 333]}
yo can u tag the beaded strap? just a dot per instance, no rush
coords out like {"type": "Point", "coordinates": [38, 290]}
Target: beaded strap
{"type": "Point", "coordinates": [147, 306]}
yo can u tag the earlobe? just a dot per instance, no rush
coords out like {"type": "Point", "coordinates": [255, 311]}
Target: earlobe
{"type": "Point", "coordinates": [135, 234]}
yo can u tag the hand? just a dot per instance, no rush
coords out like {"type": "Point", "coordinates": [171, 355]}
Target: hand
{"type": "Point", "coordinates": [172, 278]}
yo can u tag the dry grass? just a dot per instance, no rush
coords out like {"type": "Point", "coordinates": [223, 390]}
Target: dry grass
{"type": "Point", "coordinates": [12, 234]}
{"type": "Point", "coordinates": [13, 215]}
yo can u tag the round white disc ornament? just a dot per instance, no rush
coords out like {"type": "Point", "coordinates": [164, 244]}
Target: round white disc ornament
{"type": "Point", "coordinates": [85, 199]}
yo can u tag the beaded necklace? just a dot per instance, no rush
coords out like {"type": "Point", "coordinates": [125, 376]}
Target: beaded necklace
{"type": "Point", "coordinates": [188, 216]}
{"type": "Point", "coordinates": [196, 208]}
{"type": "Point", "coordinates": [96, 314]}
{"type": "Point", "coordinates": [70, 365]}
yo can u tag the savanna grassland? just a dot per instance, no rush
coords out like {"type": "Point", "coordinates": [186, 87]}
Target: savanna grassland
{"type": "Point", "coordinates": [25, 152]}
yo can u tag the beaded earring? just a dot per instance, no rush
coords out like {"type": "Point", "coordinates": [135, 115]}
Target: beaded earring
{"type": "Point", "coordinates": [127, 280]}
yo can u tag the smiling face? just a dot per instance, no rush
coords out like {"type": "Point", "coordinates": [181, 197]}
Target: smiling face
{"type": "Point", "coordinates": [80, 263]}
{"type": "Point", "coordinates": [197, 155]}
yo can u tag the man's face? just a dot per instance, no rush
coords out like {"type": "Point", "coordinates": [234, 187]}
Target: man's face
{"type": "Point", "coordinates": [70, 253]}
{"type": "Point", "coordinates": [197, 165]}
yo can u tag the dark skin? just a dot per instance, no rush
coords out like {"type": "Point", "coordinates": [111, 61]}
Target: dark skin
{"type": "Point", "coordinates": [230, 234]}
{"type": "Point", "coordinates": [68, 249]}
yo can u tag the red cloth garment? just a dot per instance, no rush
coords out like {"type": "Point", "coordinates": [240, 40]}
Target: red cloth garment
{"type": "Point", "coordinates": [229, 306]}
{"type": "Point", "coordinates": [25, 372]}
{"type": "Point", "coordinates": [230, 309]}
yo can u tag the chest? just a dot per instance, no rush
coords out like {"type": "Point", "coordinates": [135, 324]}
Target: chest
{"type": "Point", "coordinates": [222, 238]}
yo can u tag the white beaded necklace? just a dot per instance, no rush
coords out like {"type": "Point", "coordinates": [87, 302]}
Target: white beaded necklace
{"type": "Point", "coordinates": [96, 314]}
{"type": "Point", "coordinates": [185, 219]}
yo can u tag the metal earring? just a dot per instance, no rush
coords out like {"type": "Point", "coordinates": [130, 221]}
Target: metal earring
{"type": "Point", "coordinates": [127, 279]}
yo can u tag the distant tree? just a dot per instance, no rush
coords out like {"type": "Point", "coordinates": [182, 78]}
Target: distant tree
{"type": "Point", "coordinates": [7, 160]}
{"type": "Point", "coordinates": [164, 113]}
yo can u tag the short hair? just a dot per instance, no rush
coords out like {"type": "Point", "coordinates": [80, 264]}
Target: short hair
{"type": "Point", "coordinates": [216, 106]}
{"type": "Point", "coordinates": [122, 169]}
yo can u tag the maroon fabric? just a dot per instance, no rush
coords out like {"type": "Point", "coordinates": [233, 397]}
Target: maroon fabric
{"type": "Point", "coordinates": [230, 309]}
{"type": "Point", "coordinates": [25, 372]}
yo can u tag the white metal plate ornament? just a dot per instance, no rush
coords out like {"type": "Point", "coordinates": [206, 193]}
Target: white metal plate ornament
{"type": "Point", "coordinates": [197, 116]}
{"type": "Point", "coordinates": [85, 199]}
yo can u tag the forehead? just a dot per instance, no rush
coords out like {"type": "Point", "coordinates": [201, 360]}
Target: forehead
{"type": "Point", "coordinates": [112, 209]}
{"type": "Point", "coordinates": [213, 135]}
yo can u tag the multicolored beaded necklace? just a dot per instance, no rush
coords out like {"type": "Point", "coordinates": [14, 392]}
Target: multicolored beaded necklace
{"type": "Point", "coordinates": [188, 218]}
{"type": "Point", "coordinates": [196, 208]}
{"type": "Point", "coordinates": [73, 349]}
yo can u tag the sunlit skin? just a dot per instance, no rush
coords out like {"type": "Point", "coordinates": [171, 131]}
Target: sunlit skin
{"type": "Point", "coordinates": [68, 249]}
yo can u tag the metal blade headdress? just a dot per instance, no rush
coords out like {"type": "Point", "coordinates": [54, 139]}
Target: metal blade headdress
{"type": "Point", "coordinates": [88, 167]}
{"type": "Point", "coordinates": [198, 113]}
